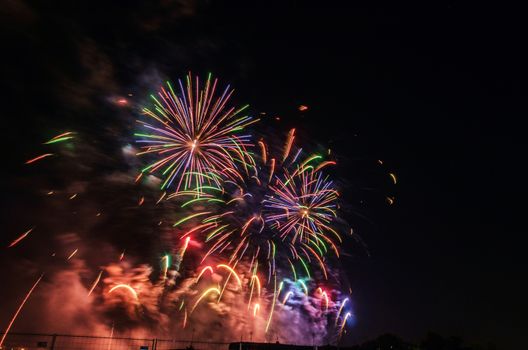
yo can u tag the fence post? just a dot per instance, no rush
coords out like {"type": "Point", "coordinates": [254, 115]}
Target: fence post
{"type": "Point", "coordinates": [53, 338]}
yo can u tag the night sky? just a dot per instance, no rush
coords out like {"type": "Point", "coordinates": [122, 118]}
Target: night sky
{"type": "Point", "coordinates": [429, 89]}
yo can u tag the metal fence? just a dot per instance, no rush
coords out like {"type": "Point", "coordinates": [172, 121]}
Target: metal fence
{"type": "Point", "coordinates": [35, 341]}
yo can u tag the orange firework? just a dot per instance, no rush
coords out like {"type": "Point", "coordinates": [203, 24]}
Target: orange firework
{"type": "Point", "coordinates": [18, 310]}
{"type": "Point", "coordinates": [264, 152]}
{"type": "Point", "coordinates": [72, 254]}
{"type": "Point", "coordinates": [232, 272]}
{"type": "Point", "coordinates": [95, 283]}
{"type": "Point", "coordinates": [393, 177]}
{"type": "Point", "coordinates": [289, 142]}
{"type": "Point", "coordinates": [202, 272]}
{"type": "Point", "coordinates": [21, 237]}
{"type": "Point", "coordinates": [33, 160]}
{"type": "Point", "coordinates": [204, 294]}
{"type": "Point", "coordinates": [126, 287]}
{"type": "Point", "coordinates": [185, 245]}
{"type": "Point", "coordinates": [184, 318]}
{"type": "Point", "coordinates": [166, 265]}
{"type": "Point", "coordinates": [254, 280]}
{"type": "Point", "coordinates": [344, 323]}
{"type": "Point", "coordinates": [275, 294]}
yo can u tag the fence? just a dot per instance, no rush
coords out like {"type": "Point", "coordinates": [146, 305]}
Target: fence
{"type": "Point", "coordinates": [35, 341]}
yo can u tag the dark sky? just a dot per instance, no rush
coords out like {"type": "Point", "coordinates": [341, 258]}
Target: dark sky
{"type": "Point", "coordinates": [431, 89]}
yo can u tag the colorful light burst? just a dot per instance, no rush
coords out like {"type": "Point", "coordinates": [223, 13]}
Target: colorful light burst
{"type": "Point", "coordinates": [193, 134]}
{"type": "Point", "coordinates": [257, 220]}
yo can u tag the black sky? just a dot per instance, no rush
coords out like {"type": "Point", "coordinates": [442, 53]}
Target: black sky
{"type": "Point", "coordinates": [431, 89]}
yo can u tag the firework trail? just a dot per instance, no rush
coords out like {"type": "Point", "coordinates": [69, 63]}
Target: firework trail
{"type": "Point", "coordinates": [61, 138]}
{"type": "Point", "coordinates": [19, 309]}
{"type": "Point", "coordinates": [125, 287]}
{"type": "Point", "coordinates": [343, 324]}
{"type": "Point", "coordinates": [95, 283]}
{"type": "Point", "coordinates": [33, 160]}
{"type": "Point", "coordinates": [21, 237]}
{"type": "Point", "coordinates": [193, 134]}
{"type": "Point", "coordinates": [343, 303]}
{"type": "Point", "coordinates": [72, 254]}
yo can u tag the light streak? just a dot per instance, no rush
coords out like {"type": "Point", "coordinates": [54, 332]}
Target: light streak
{"type": "Point", "coordinates": [393, 177]}
{"type": "Point", "coordinates": [204, 294]}
{"type": "Point", "coordinates": [72, 254]}
{"type": "Point", "coordinates": [33, 160]}
{"type": "Point", "coordinates": [340, 310]}
{"type": "Point", "coordinates": [21, 237]}
{"type": "Point", "coordinates": [126, 287]}
{"type": "Point", "coordinates": [18, 310]}
{"type": "Point", "coordinates": [95, 282]}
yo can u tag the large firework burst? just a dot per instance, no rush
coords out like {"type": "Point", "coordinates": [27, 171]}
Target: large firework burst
{"type": "Point", "coordinates": [258, 231]}
{"type": "Point", "coordinates": [194, 134]}
{"type": "Point", "coordinates": [278, 215]}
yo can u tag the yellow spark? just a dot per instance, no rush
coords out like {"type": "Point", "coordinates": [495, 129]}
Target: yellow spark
{"type": "Point", "coordinates": [393, 177]}
{"type": "Point", "coordinates": [72, 254]}
{"type": "Point", "coordinates": [126, 287]}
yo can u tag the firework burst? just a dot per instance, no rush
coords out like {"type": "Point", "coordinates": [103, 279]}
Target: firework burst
{"type": "Point", "coordinates": [249, 223]}
{"type": "Point", "coordinates": [302, 206]}
{"type": "Point", "coordinates": [194, 134]}
{"type": "Point", "coordinates": [257, 236]}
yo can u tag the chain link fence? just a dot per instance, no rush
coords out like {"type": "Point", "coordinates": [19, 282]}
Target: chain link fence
{"type": "Point", "coordinates": [35, 341]}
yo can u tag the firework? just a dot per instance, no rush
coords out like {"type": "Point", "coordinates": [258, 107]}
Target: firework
{"type": "Point", "coordinates": [19, 309]}
{"type": "Point", "coordinates": [302, 208]}
{"type": "Point", "coordinates": [247, 224]}
{"type": "Point", "coordinates": [343, 303]}
{"type": "Point", "coordinates": [232, 272]}
{"type": "Point", "coordinates": [348, 314]}
{"type": "Point", "coordinates": [256, 308]}
{"type": "Point", "coordinates": [257, 230]}
{"type": "Point", "coordinates": [61, 138]}
{"type": "Point", "coordinates": [288, 295]}
{"type": "Point", "coordinates": [239, 228]}
{"type": "Point", "coordinates": [204, 294]}
{"type": "Point", "coordinates": [207, 268]}
{"type": "Point", "coordinates": [194, 134]}
{"type": "Point", "coordinates": [166, 265]}
{"type": "Point", "coordinates": [72, 254]}
{"type": "Point", "coordinates": [33, 160]}
{"type": "Point", "coordinates": [324, 296]}
{"type": "Point", "coordinates": [111, 336]}
{"type": "Point", "coordinates": [95, 283]}
{"type": "Point", "coordinates": [275, 295]}
{"type": "Point", "coordinates": [21, 237]}
{"type": "Point", "coordinates": [125, 287]}
{"type": "Point", "coordinates": [303, 108]}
